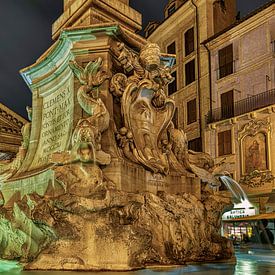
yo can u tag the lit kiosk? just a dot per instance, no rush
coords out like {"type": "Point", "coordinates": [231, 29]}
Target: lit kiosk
{"type": "Point", "coordinates": [103, 178]}
{"type": "Point", "coordinates": [242, 225]}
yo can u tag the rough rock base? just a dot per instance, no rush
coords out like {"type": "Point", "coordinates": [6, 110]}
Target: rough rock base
{"type": "Point", "coordinates": [100, 227]}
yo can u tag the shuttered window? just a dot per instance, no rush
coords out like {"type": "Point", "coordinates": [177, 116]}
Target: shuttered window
{"type": "Point", "coordinates": [195, 145]}
{"type": "Point", "coordinates": [171, 49]}
{"type": "Point", "coordinates": [225, 143]}
{"type": "Point", "coordinates": [226, 61]}
{"type": "Point", "coordinates": [191, 111]}
{"type": "Point", "coordinates": [189, 41]}
{"type": "Point", "coordinates": [190, 72]}
{"type": "Point", "coordinates": [172, 87]}
{"type": "Point", "coordinates": [227, 104]}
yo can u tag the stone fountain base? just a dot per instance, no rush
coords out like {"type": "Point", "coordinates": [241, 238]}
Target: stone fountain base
{"type": "Point", "coordinates": [98, 227]}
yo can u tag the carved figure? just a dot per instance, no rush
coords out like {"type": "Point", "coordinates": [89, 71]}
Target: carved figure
{"type": "Point", "coordinates": [125, 140]}
{"type": "Point", "coordinates": [87, 134]}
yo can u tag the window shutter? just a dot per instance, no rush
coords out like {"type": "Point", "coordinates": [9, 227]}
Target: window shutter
{"type": "Point", "coordinates": [224, 143]}
{"type": "Point", "coordinates": [226, 61]}
{"type": "Point", "coordinates": [189, 41]}
{"type": "Point", "coordinates": [191, 111]}
{"type": "Point", "coordinates": [190, 72]}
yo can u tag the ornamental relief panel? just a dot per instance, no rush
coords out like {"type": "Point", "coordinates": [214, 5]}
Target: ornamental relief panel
{"type": "Point", "coordinates": [254, 138]}
{"type": "Point", "coordinates": [255, 153]}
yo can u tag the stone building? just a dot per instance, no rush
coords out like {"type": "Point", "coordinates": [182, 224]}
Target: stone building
{"type": "Point", "coordinates": [187, 24]}
{"type": "Point", "coordinates": [10, 133]}
{"type": "Point", "coordinates": [240, 123]}
{"type": "Point", "coordinates": [224, 87]}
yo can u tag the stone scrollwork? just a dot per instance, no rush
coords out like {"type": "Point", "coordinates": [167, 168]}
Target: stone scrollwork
{"type": "Point", "coordinates": [86, 139]}
{"type": "Point", "coordinates": [118, 84]}
{"type": "Point", "coordinates": [148, 135]}
{"type": "Point", "coordinates": [257, 179]}
{"type": "Point", "coordinates": [253, 127]}
{"type": "Point", "coordinates": [144, 106]}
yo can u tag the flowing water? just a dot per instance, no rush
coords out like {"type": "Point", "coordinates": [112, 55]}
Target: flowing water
{"type": "Point", "coordinates": [240, 198]}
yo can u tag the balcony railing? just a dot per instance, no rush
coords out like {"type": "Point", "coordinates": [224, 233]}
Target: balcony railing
{"type": "Point", "coordinates": [242, 107]}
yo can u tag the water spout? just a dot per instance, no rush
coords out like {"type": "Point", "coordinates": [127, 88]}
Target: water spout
{"type": "Point", "coordinates": [239, 196]}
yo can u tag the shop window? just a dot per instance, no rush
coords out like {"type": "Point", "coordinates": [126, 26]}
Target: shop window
{"type": "Point", "coordinates": [190, 72]}
{"type": "Point", "coordinates": [189, 41]}
{"type": "Point", "coordinates": [191, 111]}
{"type": "Point", "coordinates": [225, 61]}
{"type": "Point", "coordinates": [195, 144]}
{"type": "Point", "coordinates": [224, 143]}
{"type": "Point", "coordinates": [172, 87]}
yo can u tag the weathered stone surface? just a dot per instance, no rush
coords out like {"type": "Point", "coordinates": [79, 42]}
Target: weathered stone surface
{"type": "Point", "coordinates": [115, 187]}
{"type": "Point", "coordinates": [99, 227]}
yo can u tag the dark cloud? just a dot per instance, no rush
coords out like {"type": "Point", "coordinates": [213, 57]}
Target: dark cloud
{"type": "Point", "coordinates": [25, 34]}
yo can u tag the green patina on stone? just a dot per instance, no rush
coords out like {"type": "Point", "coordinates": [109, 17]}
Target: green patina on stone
{"type": "Point", "coordinates": [35, 184]}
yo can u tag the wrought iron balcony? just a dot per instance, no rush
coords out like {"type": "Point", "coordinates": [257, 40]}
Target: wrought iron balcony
{"type": "Point", "coordinates": [242, 107]}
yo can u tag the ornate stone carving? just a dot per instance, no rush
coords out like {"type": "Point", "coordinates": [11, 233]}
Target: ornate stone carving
{"type": "Point", "coordinates": [254, 138]}
{"type": "Point", "coordinates": [77, 226]}
{"type": "Point", "coordinates": [253, 127]}
{"type": "Point", "coordinates": [144, 106]}
{"type": "Point", "coordinates": [257, 179]}
{"type": "Point", "coordinates": [86, 139]}
{"type": "Point", "coordinates": [151, 124]}
{"type": "Point", "coordinates": [72, 216]}
{"type": "Point", "coordinates": [149, 136]}
{"type": "Point", "coordinates": [22, 237]}
{"type": "Point", "coordinates": [26, 129]}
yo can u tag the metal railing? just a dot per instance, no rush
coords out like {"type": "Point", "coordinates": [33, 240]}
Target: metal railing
{"type": "Point", "coordinates": [243, 106]}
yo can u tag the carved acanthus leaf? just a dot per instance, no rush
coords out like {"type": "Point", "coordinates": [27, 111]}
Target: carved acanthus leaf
{"type": "Point", "coordinates": [78, 72]}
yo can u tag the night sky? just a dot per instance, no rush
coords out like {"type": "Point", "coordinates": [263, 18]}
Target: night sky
{"type": "Point", "coordinates": [25, 34]}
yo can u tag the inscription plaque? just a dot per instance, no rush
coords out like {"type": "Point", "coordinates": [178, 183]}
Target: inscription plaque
{"type": "Point", "coordinates": [56, 123]}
